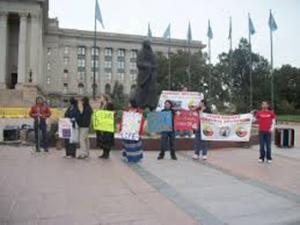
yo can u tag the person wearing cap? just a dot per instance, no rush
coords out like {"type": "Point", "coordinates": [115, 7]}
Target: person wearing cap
{"type": "Point", "coordinates": [40, 112]}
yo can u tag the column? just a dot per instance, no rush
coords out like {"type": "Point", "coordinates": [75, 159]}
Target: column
{"type": "Point", "coordinates": [22, 49]}
{"type": "Point", "coordinates": [3, 47]}
{"type": "Point", "coordinates": [127, 78]}
{"type": "Point", "coordinates": [35, 46]}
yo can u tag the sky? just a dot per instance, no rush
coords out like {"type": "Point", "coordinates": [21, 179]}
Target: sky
{"type": "Point", "coordinates": [133, 16]}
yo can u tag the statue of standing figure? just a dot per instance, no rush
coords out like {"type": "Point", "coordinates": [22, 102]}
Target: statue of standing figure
{"type": "Point", "coordinates": [146, 94]}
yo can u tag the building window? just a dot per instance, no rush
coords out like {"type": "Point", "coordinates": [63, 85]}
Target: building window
{"type": "Point", "coordinates": [81, 75]}
{"type": "Point", "coordinates": [81, 88]}
{"type": "Point", "coordinates": [133, 76]}
{"type": "Point", "coordinates": [81, 63]}
{"type": "Point", "coordinates": [121, 53]}
{"type": "Point", "coordinates": [66, 61]}
{"type": "Point", "coordinates": [108, 64]}
{"type": "Point", "coordinates": [108, 52]}
{"type": "Point", "coordinates": [81, 51]}
{"type": "Point", "coordinates": [120, 76]}
{"type": "Point", "coordinates": [133, 54]}
{"type": "Point", "coordinates": [96, 64]}
{"type": "Point", "coordinates": [65, 88]}
{"type": "Point", "coordinates": [66, 72]}
{"type": "Point", "coordinates": [48, 80]}
{"type": "Point", "coordinates": [108, 75]}
{"type": "Point", "coordinates": [48, 51]}
{"type": "Point", "coordinates": [95, 51]}
{"type": "Point", "coordinates": [66, 50]}
{"type": "Point", "coordinates": [121, 65]}
{"type": "Point", "coordinates": [48, 66]}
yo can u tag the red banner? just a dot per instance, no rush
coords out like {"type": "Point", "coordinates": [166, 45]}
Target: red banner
{"type": "Point", "coordinates": [186, 120]}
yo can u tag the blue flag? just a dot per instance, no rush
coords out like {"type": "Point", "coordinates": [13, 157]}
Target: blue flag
{"type": "Point", "coordinates": [167, 33]}
{"type": "Point", "coordinates": [230, 29]}
{"type": "Point", "coordinates": [189, 34]}
{"type": "Point", "coordinates": [209, 31]}
{"type": "Point", "coordinates": [272, 22]}
{"type": "Point", "coordinates": [251, 26]}
{"type": "Point", "coordinates": [98, 14]}
{"type": "Point", "coordinates": [149, 32]}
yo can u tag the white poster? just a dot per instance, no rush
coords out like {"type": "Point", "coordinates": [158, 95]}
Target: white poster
{"type": "Point", "coordinates": [226, 127]}
{"type": "Point", "coordinates": [180, 99]}
{"type": "Point", "coordinates": [65, 128]}
{"type": "Point", "coordinates": [131, 124]}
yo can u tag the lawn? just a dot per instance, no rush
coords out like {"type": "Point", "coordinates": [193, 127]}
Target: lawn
{"type": "Point", "coordinates": [289, 118]}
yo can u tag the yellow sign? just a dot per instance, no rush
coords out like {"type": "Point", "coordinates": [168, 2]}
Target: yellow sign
{"type": "Point", "coordinates": [104, 120]}
{"type": "Point", "coordinates": [7, 112]}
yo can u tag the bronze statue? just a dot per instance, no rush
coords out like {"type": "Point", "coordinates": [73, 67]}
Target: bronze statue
{"type": "Point", "coordinates": [145, 94]}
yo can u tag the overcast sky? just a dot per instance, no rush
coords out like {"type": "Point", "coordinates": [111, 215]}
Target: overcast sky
{"type": "Point", "coordinates": [132, 17]}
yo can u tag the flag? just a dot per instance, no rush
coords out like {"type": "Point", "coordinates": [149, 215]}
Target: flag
{"type": "Point", "coordinates": [149, 31]}
{"type": "Point", "coordinates": [272, 22]}
{"type": "Point", "coordinates": [251, 26]}
{"type": "Point", "coordinates": [98, 14]}
{"type": "Point", "coordinates": [189, 33]}
{"type": "Point", "coordinates": [209, 31]}
{"type": "Point", "coordinates": [167, 33]}
{"type": "Point", "coordinates": [230, 29]}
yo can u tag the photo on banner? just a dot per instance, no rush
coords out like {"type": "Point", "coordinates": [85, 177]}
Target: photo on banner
{"type": "Point", "coordinates": [131, 126]}
{"type": "Point", "coordinates": [159, 122]}
{"type": "Point", "coordinates": [104, 120]}
{"type": "Point", "coordinates": [235, 128]}
{"type": "Point", "coordinates": [65, 128]}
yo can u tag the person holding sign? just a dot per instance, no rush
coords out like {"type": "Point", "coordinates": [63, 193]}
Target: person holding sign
{"type": "Point", "coordinates": [74, 114]}
{"type": "Point", "coordinates": [199, 144]}
{"type": "Point", "coordinates": [105, 139]}
{"type": "Point", "coordinates": [266, 120]}
{"type": "Point", "coordinates": [168, 137]}
{"type": "Point", "coordinates": [131, 139]}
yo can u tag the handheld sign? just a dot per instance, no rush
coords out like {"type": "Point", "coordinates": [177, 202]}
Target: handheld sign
{"type": "Point", "coordinates": [103, 120]}
{"type": "Point", "coordinates": [65, 128]}
{"type": "Point", "coordinates": [186, 120]}
{"type": "Point", "coordinates": [159, 122]}
{"type": "Point", "coordinates": [131, 125]}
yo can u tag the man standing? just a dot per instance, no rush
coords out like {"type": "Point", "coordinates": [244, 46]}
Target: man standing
{"type": "Point", "coordinates": [84, 127]}
{"type": "Point", "coordinates": [40, 112]}
{"type": "Point", "coordinates": [266, 120]}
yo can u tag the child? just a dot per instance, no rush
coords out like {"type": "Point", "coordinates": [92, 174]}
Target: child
{"type": "Point", "coordinates": [105, 140]}
{"type": "Point", "coordinates": [133, 150]}
{"type": "Point", "coordinates": [168, 137]}
{"type": "Point", "coordinates": [266, 120]}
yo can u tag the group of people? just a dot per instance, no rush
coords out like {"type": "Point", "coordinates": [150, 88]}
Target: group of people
{"type": "Point", "coordinates": [81, 118]}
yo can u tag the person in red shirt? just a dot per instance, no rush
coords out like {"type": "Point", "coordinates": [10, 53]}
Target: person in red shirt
{"type": "Point", "coordinates": [266, 120]}
{"type": "Point", "coordinates": [40, 112]}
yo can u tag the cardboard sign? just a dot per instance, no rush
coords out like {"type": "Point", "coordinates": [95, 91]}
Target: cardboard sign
{"type": "Point", "coordinates": [131, 125]}
{"type": "Point", "coordinates": [186, 120]}
{"type": "Point", "coordinates": [160, 122]}
{"type": "Point", "coordinates": [226, 127]}
{"type": "Point", "coordinates": [103, 120]}
{"type": "Point", "coordinates": [65, 128]}
{"type": "Point", "coordinates": [180, 99]}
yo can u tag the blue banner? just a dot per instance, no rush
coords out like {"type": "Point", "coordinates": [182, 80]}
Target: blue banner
{"type": "Point", "coordinates": [159, 122]}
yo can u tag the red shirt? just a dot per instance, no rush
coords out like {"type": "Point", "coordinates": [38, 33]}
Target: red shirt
{"type": "Point", "coordinates": [41, 111]}
{"type": "Point", "coordinates": [265, 118]}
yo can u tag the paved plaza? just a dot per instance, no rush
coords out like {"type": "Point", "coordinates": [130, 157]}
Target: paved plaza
{"type": "Point", "coordinates": [230, 188]}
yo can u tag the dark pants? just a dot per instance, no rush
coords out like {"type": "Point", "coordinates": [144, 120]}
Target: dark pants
{"type": "Point", "coordinates": [167, 143]}
{"type": "Point", "coordinates": [41, 141]}
{"type": "Point", "coordinates": [199, 144]}
{"type": "Point", "coordinates": [265, 145]}
{"type": "Point", "coordinates": [70, 148]}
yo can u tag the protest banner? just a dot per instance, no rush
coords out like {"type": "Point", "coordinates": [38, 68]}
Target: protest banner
{"type": "Point", "coordinates": [186, 120]}
{"type": "Point", "coordinates": [180, 99]}
{"type": "Point", "coordinates": [103, 120]}
{"type": "Point", "coordinates": [131, 125]}
{"type": "Point", "coordinates": [65, 128]}
{"type": "Point", "coordinates": [226, 127]}
{"type": "Point", "coordinates": [159, 122]}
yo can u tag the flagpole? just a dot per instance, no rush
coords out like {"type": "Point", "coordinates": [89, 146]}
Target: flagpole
{"type": "Point", "coordinates": [209, 71]}
{"type": "Point", "coordinates": [94, 57]}
{"type": "Point", "coordinates": [230, 50]}
{"type": "Point", "coordinates": [169, 66]}
{"type": "Point", "coordinates": [250, 65]}
{"type": "Point", "coordinates": [272, 62]}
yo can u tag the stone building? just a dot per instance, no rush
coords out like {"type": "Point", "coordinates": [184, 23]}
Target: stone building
{"type": "Point", "coordinates": [38, 57]}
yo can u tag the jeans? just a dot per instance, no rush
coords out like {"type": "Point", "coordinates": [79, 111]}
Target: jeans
{"type": "Point", "coordinates": [199, 144]}
{"type": "Point", "coordinates": [167, 142]}
{"type": "Point", "coordinates": [265, 145]}
{"type": "Point", "coordinates": [40, 141]}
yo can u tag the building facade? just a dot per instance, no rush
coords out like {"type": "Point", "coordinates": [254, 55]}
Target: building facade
{"type": "Point", "coordinates": [37, 53]}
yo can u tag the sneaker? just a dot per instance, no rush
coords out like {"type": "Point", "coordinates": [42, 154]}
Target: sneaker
{"type": "Point", "coordinates": [260, 160]}
{"type": "Point", "coordinates": [196, 157]}
{"type": "Point", "coordinates": [204, 157]}
{"type": "Point", "coordinates": [269, 161]}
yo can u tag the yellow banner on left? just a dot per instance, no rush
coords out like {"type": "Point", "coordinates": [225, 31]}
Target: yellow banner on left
{"type": "Point", "coordinates": [104, 120]}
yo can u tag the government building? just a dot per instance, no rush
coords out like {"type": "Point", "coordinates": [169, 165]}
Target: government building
{"type": "Point", "coordinates": [39, 57]}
